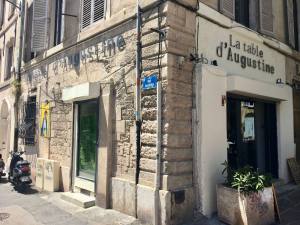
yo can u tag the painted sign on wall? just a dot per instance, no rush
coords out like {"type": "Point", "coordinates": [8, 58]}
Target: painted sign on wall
{"type": "Point", "coordinates": [45, 120]}
{"type": "Point", "coordinates": [245, 54]}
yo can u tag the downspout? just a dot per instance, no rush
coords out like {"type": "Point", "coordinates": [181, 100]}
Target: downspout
{"type": "Point", "coordinates": [138, 121]}
{"type": "Point", "coordinates": [158, 155]}
{"type": "Point", "coordinates": [18, 71]}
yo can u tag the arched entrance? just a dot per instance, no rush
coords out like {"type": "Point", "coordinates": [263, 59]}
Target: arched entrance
{"type": "Point", "coordinates": [4, 130]}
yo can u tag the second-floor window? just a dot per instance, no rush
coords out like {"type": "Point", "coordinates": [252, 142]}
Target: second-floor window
{"type": "Point", "coordinates": [9, 62]}
{"type": "Point", "coordinates": [91, 12]}
{"type": "Point", "coordinates": [255, 14]}
{"type": "Point", "coordinates": [58, 34]}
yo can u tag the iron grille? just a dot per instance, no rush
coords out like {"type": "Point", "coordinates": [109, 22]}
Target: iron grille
{"type": "Point", "coordinates": [28, 125]}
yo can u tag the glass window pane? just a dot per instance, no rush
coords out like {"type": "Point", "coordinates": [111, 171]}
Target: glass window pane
{"type": "Point", "coordinates": [247, 121]}
{"type": "Point", "coordinates": [87, 140]}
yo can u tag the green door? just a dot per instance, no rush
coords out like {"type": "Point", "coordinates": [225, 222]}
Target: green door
{"type": "Point", "coordinates": [87, 139]}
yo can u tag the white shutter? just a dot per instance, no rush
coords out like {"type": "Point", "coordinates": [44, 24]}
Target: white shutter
{"type": "Point", "coordinates": [99, 9]}
{"type": "Point", "coordinates": [227, 7]}
{"type": "Point", "coordinates": [86, 15]}
{"type": "Point", "coordinates": [39, 25]}
{"type": "Point", "coordinates": [92, 11]}
{"type": "Point", "coordinates": [290, 21]}
{"type": "Point", "coordinates": [266, 17]}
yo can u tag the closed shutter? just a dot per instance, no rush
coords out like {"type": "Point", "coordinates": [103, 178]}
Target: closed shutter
{"type": "Point", "coordinates": [266, 17]}
{"type": "Point", "coordinates": [39, 39]}
{"type": "Point", "coordinates": [99, 9]}
{"type": "Point", "coordinates": [1, 12]}
{"type": "Point", "coordinates": [253, 14]}
{"type": "Point", "coordinates": [92, 11]}
{"type": "Point", "coordinates": [227, 7]}
{"type": "Point", "coordinates": [290, 21]}
{"type": "Point", "coordinates": [86, 18]}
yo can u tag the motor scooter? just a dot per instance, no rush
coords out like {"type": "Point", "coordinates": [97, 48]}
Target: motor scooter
{"type": "Point", "coordinates": [2, 167]}
{"type": "Point", "coordinates": [19, 171]}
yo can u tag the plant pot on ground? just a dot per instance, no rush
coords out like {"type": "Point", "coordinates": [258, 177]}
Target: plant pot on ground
{"type": "Point", "coordinates": [246, 198]}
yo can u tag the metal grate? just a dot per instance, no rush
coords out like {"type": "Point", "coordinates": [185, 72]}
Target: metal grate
{"type": "Point", "coordinates": [28, 125]}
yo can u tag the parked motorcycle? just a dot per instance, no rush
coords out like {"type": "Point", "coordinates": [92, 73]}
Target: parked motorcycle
{"type": "Point", "coordinates": [2, 167]}
{"type": "Point", "coordinates": [19, 171]}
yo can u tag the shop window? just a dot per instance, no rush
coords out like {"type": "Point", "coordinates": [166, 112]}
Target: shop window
{"type": "Point", "coordinates": [92, 11]}
{"type": "Point", "coordinates": [9, 63]}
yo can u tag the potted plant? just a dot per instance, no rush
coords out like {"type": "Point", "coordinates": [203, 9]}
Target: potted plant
{"type": "Point", "coordinates": [246, 198]}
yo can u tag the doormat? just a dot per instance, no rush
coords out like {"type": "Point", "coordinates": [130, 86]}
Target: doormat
{"type": "Point", "coordinates": [295, 169]}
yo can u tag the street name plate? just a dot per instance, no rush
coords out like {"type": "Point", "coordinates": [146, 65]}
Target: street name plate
{"type": "Point", "coordinates": [150, 82]}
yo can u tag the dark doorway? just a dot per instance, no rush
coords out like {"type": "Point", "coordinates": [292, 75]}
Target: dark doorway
{"type": "Point", "coordinates": [252, 134]}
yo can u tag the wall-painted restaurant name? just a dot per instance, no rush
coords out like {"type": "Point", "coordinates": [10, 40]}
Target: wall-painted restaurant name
{"type": "Point", "coordinates": [234, 51]}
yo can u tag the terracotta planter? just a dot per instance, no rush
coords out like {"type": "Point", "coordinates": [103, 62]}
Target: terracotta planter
{"type": "Point", "coordinates": [235, 208]}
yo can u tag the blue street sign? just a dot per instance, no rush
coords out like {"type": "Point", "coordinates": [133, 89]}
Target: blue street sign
{"type": "Point", "coordinates": [150, 82]}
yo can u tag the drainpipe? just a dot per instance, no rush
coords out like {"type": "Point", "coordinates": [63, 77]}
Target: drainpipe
{"type": "Point", "coordinates": [18, 70]}
{"type": "Point", "coordinates": [158, 154]}
{"type": "Point", "coordinates": [138, 120]}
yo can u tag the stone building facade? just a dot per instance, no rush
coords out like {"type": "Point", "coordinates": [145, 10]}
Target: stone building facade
{"type": "Point", "coordinates": [8, 22]}
{"type": "Point", "coordinates": [86, 75]}
{"type": "Point", "coordinates": [78, 97]}
{"type": "Point", "coordinates": [245, 91]}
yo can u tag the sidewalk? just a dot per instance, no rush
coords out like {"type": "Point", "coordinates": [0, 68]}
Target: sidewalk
{"type": "Point", "coordinates": [43, 208]}
{"type": "Point", "coordinates": [35, 208]}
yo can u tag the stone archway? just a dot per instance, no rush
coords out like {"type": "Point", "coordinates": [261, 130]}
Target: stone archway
{"type": "Point", "coordinates": [4, 130]}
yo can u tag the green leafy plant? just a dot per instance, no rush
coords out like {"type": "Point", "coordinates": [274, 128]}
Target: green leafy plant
{"type": "Point", "coordinates": [246, 179]}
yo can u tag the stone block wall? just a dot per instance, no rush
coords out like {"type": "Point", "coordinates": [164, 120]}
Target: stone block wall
{"type": "Point", "coordinates": [169, 58]}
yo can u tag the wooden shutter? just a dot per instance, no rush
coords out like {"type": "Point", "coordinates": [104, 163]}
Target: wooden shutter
{"type": "Point", "coordinates": [39, 40]}
{"type": "Point", "coordinates": [92, 11]}
{"type": "Point", "coordinates": [227, 7]}
{"type": "Point", "coordinates": [266, 17]}
{"type": "Point", "coordinates": [1, 12]}
{"type": "Point", "coordinates": [86, 15]}
{"type": "Point", "coordinates": [290, 22]}
{"type": "Point", "coordinates": [99, 10]}
{"type": "Point", "coordinates": [253, 15]}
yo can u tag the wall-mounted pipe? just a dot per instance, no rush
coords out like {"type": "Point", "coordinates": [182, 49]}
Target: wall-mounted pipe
{"type": "Point", "coordinates": [138, 121]}
{"type": "Point", "coordinates": [158, 154]}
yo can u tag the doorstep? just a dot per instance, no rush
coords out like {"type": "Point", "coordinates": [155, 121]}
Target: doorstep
{"type": "Point", "coordinates": [78, 199]}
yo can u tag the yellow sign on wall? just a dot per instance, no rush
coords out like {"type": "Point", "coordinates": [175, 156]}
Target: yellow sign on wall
{"type": "Point", "coordinates": [45, 120]}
